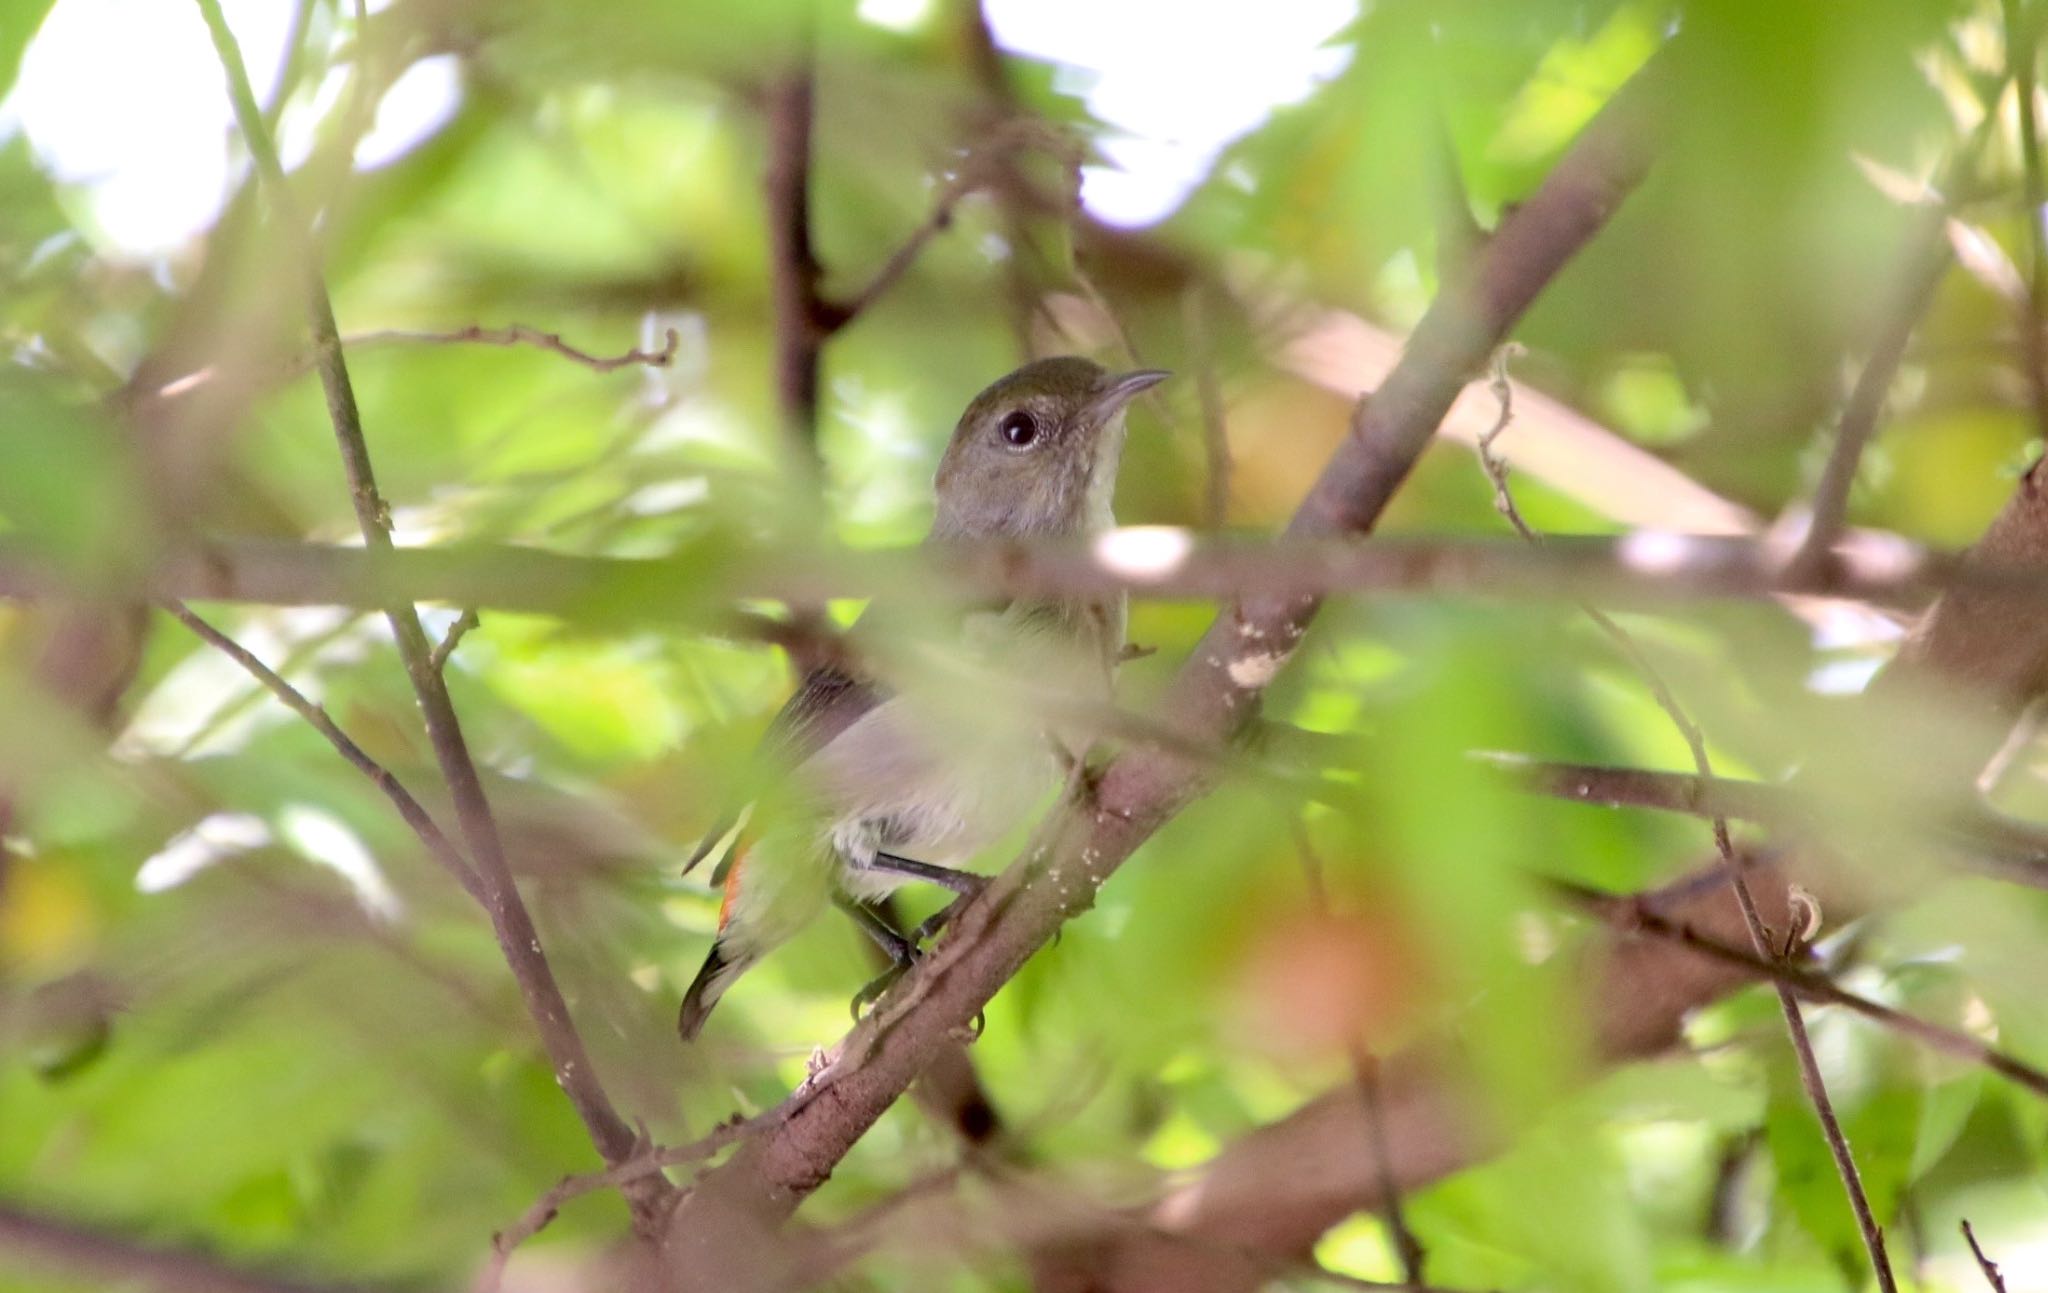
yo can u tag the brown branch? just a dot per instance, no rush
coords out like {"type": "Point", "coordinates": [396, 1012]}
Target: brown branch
{"type": "Point", "coordinates": [415, 814]}
{"type": "Point", "coordinates": [1977, 657]}
{"type": "Point", "coordinates": [29, 1240]}
{"type": "Point", "coordinates": [1929, 263]}
{"type": "Point", "coordinates": [510, 920]}
{"type": "Point", "coordinates": [1984, 1263]}
{"type": "Point", "coordinates": [1645, 569]}
{"type": "Point", "coordinates": [717, 1227]}
{"type": "Point", "coordinates": [542, 1212]}
{"type": "Point", "coordinates": [1759, 934]}
{"type": "Point", "coordinates": [977, 169]}
{"type": "Point", "coordinates": [1021, 1211]}
{"type": "Point", "coordinates": [452, 639]}
{"type": "Point", "coordinates": [1985, 841]}
{"type": "Point", "coordinates": [805, 317]}
{"type": "Point", "coordinates": [802, 320]}
{"type": "Point", "coordinates": [519, 334]}
{"type": "Point", "coordinates": [516, 334]}
{"type": "Point", "coordinates": [1635, 913]}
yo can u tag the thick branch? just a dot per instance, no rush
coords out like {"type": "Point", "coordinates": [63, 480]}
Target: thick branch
{"type": "Point", "coordinates": [1215, 694]}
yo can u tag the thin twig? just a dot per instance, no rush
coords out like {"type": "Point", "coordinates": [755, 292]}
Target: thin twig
{"type": "Point", "coordinates": [1759, 933]}
{"type": "Point", "coordinates": [516, 334]}
{"type": "Point", "coordinates": [1927, 262]}
{"type": "Point", "coordinates": [1983, 841]}
{"type": "Point", "coordinates": [1215, 433]}
{"type": "Point", "coordinates": [1634, 913]}
{"type": "Point", "coordinates": [519, 334]}
{"type": "Point", "coordinates": [1984, 1263]}
{"type": "Point", "coordinates": [1365, 1075]}
{"type": "Point", "coordinates": [641, 1166]}
{"type": "Point", "coordinates": [453, 638]}
{"type": "Point", "coordinates": [510, 920]}
{"type": "Point", "coordinates": [2022, 50]}
{"type": "Point", "coordinates": [974, 173]}
{"type": "Point", "coordinates": [1930, 263]}
{"type": "Point", "coordinates": [410, 808]}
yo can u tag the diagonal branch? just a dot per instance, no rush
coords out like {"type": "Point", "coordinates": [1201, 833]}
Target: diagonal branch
{"type": "Point", "coordinates": [1213, 697]}
{"type": "Point", "coordinates": [1636, 914]}
{"type": "Point", "coordinates": [510, 920]}
{"type": "Point", "coordinates": [1989, 1268]}
{"type": "Point", "coordinates": [1928, 257]}
{"type": "Point", "coordinates": [1928, 263]}
{"type": "Point", "coordinates": [414, 813]}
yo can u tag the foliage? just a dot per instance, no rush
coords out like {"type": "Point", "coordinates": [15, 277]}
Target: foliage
{"type": "Point", "coordinates": [243, 1011]}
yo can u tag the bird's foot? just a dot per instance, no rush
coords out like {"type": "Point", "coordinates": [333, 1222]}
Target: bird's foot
{"type": "Point", "coordinates": [873, 990]}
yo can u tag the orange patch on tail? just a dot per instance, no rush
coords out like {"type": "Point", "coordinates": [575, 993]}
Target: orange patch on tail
{"type": "Point", "coordinates": [732, 887]}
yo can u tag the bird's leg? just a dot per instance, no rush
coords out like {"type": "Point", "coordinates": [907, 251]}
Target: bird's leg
{"type": "Point", "coordinates": [900, 950]}
{"type": "Point", "coordinates": [925, 929]}
{"type": "Point", "coordinates": [964, 883]}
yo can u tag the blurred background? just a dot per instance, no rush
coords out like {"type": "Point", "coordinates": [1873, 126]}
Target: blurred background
{"type": "Point", "coordinates": [242, 1012]}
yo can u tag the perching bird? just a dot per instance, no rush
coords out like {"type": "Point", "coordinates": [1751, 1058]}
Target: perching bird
{"type": "Point", "coordinates": [889, 785]}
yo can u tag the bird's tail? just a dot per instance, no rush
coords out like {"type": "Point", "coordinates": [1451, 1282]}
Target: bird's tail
{"type": "Point", "coordinates": [725, 964]}
{"type": "Point", "coordinates": [740, 943]}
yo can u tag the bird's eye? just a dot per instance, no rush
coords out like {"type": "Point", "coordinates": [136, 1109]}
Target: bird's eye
{"type": "Point", "coordinates": [1018, 429]}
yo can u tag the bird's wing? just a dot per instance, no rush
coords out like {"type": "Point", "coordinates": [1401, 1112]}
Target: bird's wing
{"type": "Point", "coordinates": [826, 704]}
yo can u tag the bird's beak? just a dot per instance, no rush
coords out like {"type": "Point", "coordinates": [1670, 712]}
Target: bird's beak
{"type": "Point", "coordinates": [1121, 390]}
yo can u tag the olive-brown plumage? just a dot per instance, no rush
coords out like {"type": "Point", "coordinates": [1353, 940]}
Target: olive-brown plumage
{"type": "Point", "coordinates": [890, 784]}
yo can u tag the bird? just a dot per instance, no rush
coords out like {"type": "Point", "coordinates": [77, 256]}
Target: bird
{"type": "Point", "coordinates": [878, 785]}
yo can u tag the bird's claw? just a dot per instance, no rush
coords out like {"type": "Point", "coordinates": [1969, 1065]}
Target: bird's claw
{"type": "Point", "coordinates": [930, 927]}
{"type": "Point", "coordinates": [911, 952]}
{"type": "Point", "coordinates": [872, 991]}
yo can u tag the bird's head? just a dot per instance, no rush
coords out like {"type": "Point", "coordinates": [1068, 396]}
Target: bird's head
{"type": "Point", "coordinates": [1037, 452]}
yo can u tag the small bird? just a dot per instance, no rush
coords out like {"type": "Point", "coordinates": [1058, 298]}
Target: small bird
{"type": "Point", "coordinates": [883, 786]}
